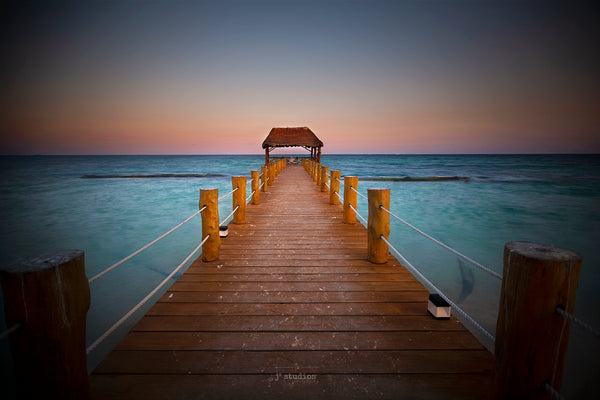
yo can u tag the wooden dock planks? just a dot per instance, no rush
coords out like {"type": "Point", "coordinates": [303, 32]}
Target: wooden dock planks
{"type": "Point", "coordinates": [292, 293]}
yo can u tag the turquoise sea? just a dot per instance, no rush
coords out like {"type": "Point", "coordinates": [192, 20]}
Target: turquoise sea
{"type": "Point", "coordinates": [47, 205]}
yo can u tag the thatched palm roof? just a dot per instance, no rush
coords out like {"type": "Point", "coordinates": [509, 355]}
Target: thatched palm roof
{"type": "Point", "coordinates": [291, 137]}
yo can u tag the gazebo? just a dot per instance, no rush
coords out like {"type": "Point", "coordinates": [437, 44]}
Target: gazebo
{"type": "Point", "coordinates": [293, 137]}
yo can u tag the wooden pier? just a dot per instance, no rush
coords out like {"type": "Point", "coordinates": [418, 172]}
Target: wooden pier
{"type": "Point", "coordinates": [292, 309]}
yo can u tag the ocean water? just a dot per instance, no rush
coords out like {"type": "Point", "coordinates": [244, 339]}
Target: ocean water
{"type": "Point", "coordinates": [46, 204]}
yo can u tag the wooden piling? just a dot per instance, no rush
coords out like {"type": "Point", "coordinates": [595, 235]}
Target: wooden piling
{"type": "Point", "coordinates": [49, 297]}
{"type": "Point", "coordinates": [531, 338]}
{"type": "Point", "coordinates": [271, 173]}
{"type": "Point", "coordinates": [210, 223]}
{"type": "Point", "coordinates": [239, 199]}
{"type": "Point", "coordinates": [324, 178]}
{"type": "Point", "coordinates": [265, 177]}
{"type": "Point", "coordinates": [334, 187]}
{"type": "Point", "coordinates": [378, 224]}
{"type": "Point", "coordinates": [255, 187]}
{"type": "Point", "coordinates": [350, 199]}
{"type": "Point", "coordinates": [319, 174]}
{"type": "Point", "coordinates": [314, 172]}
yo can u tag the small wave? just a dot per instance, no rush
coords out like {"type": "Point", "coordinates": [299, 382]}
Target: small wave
{"type": "Point", "coordinates": [415, 178]}
{"type": "Point", "coordinates": [174, 175]}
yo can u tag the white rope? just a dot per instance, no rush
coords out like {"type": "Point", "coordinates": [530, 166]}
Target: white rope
{"type": "Point", "coordinates": [10, 330]}
{"type": "Point", "coordinates": [135, 253]}
{"type": "Point", "coordinates": [553, 393]}
{"type": "Point", "coordinates": [579, 322]}
{"type": "Point", "coordinates": [263, 184]}
{"type": "Point", "coordinates": [228, 194]}
{"type": "Point", "coordinates": [144, 300]}
{"type": "Point", "coordinates": [475, 263]}
{"type": "Point", "coordinates": [438, 291]}
{"type": "Point", "coordinates": [229, 216]}
{"type": "Point", "coordinates": [249, 181]}
{"type": "Point", "coordinates": [358, 215]}
{"type": "Point", "coordinates": [360, 194]}
{"type": "Point", "coordinates": [326, 184]}
{"type": "Point", "coordinates": [249, 197]}
{"type": "Point", "coordinates": [339, 197]}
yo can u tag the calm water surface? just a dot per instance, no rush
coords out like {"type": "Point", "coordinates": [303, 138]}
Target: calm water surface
{"type": "Point", "coordinates": [46, 205]}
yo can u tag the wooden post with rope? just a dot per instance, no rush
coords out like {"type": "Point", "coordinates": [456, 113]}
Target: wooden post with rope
{"type": "Point", "coordinates": [210, 223]}
{"type": "Point", "coordinates": [255, 187]}
{"type": "Point", "coordinates": [334, 187]}
{"type": "Point", "coordinates": [378, 224]}
{"type": "Point", "coordinates": [350, 199]}
{"type": "Point", "coordinates": [531, 338]}
{"type": "Point", "coordinates": [49, 297]}
{"type": "Point", "coordinates": [324, 177]}
{"type": "Point", "coordinates": [319, 174]}
{"type": "Point", "coordinates": [265, 177]}
{"type": "Point", "coordinates": [239, 199]}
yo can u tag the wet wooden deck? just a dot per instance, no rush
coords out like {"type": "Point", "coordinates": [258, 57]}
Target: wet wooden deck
{"type": "Point", "coordinates": [293, 310]}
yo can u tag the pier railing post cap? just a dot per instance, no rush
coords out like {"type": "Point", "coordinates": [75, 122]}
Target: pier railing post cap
{"type": "Point", "coordinates": [41, 262]}
{"type": "Point", "coordinates": [540, 251]}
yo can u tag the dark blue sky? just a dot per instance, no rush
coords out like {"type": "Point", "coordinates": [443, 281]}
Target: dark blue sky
{"type": "Point", "coordinates": [210, 77]}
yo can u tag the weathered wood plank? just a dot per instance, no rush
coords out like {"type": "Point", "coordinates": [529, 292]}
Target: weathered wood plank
{"type": "Point", "coordinates": [342, 277]}
{"type": "Point", "coordinates": [301, 297]}
{"type": "Point", "coordinates": [309, 341]}
{"type": "Point", "coordinates": [332, 270]}
{"type": "Point", "coordinates": [293, 286]}
{"type": "Point", "coordinates": [271, 386]}
{"type": "Point", "coordinates": [294, 323]}
{"type": "Point", "coordinates": [162, 308]}
{"type": "Point", "coordinates": [291, 263]}
{"type": "Point", "coordinates": [314, 362]}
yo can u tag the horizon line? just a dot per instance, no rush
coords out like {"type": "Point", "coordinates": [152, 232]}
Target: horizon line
{"type": "Point", "coordinates": [288, 155]}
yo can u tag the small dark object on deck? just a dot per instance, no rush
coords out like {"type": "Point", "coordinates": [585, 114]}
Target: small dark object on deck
{"type": "Point", "coordinates": [438, 307]}
{"type": "Point", "coordinates": [223, 231]}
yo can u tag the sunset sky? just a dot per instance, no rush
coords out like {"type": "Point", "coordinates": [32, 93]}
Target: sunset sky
{"type": "Point", "coordinates": [142, 77]}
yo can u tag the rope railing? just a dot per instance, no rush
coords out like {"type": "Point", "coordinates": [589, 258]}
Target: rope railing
{"type": "Point", "coordinates": [358, 215]}
{"type": "Point", "coordinates": [10, 330]}
{"type": "Point", "coordinates": [359, 193]}
{"type": "Point", "coordinates": [553, 392]}
{"type": "Point", "coordinates": [438, 291]}
{"type": "Point", "coordinates": [227, 194]}
{"type": "Point", "coordinates": [582, 324]}
{"type": "Point", "coordinates": [135, 253]}
{"type": "Point", "coordinates": [229, 216]}
{"type": "Point", "coordinates": [250, 197]}
{"type": "Point", "coordinates": [144, 300]}
{"type": "Point", "coordinates": [339, 197]}
{"type": "Point", "coordinates": [475, 263]}
{"type": "Point", "coordinates": [525, 258]}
